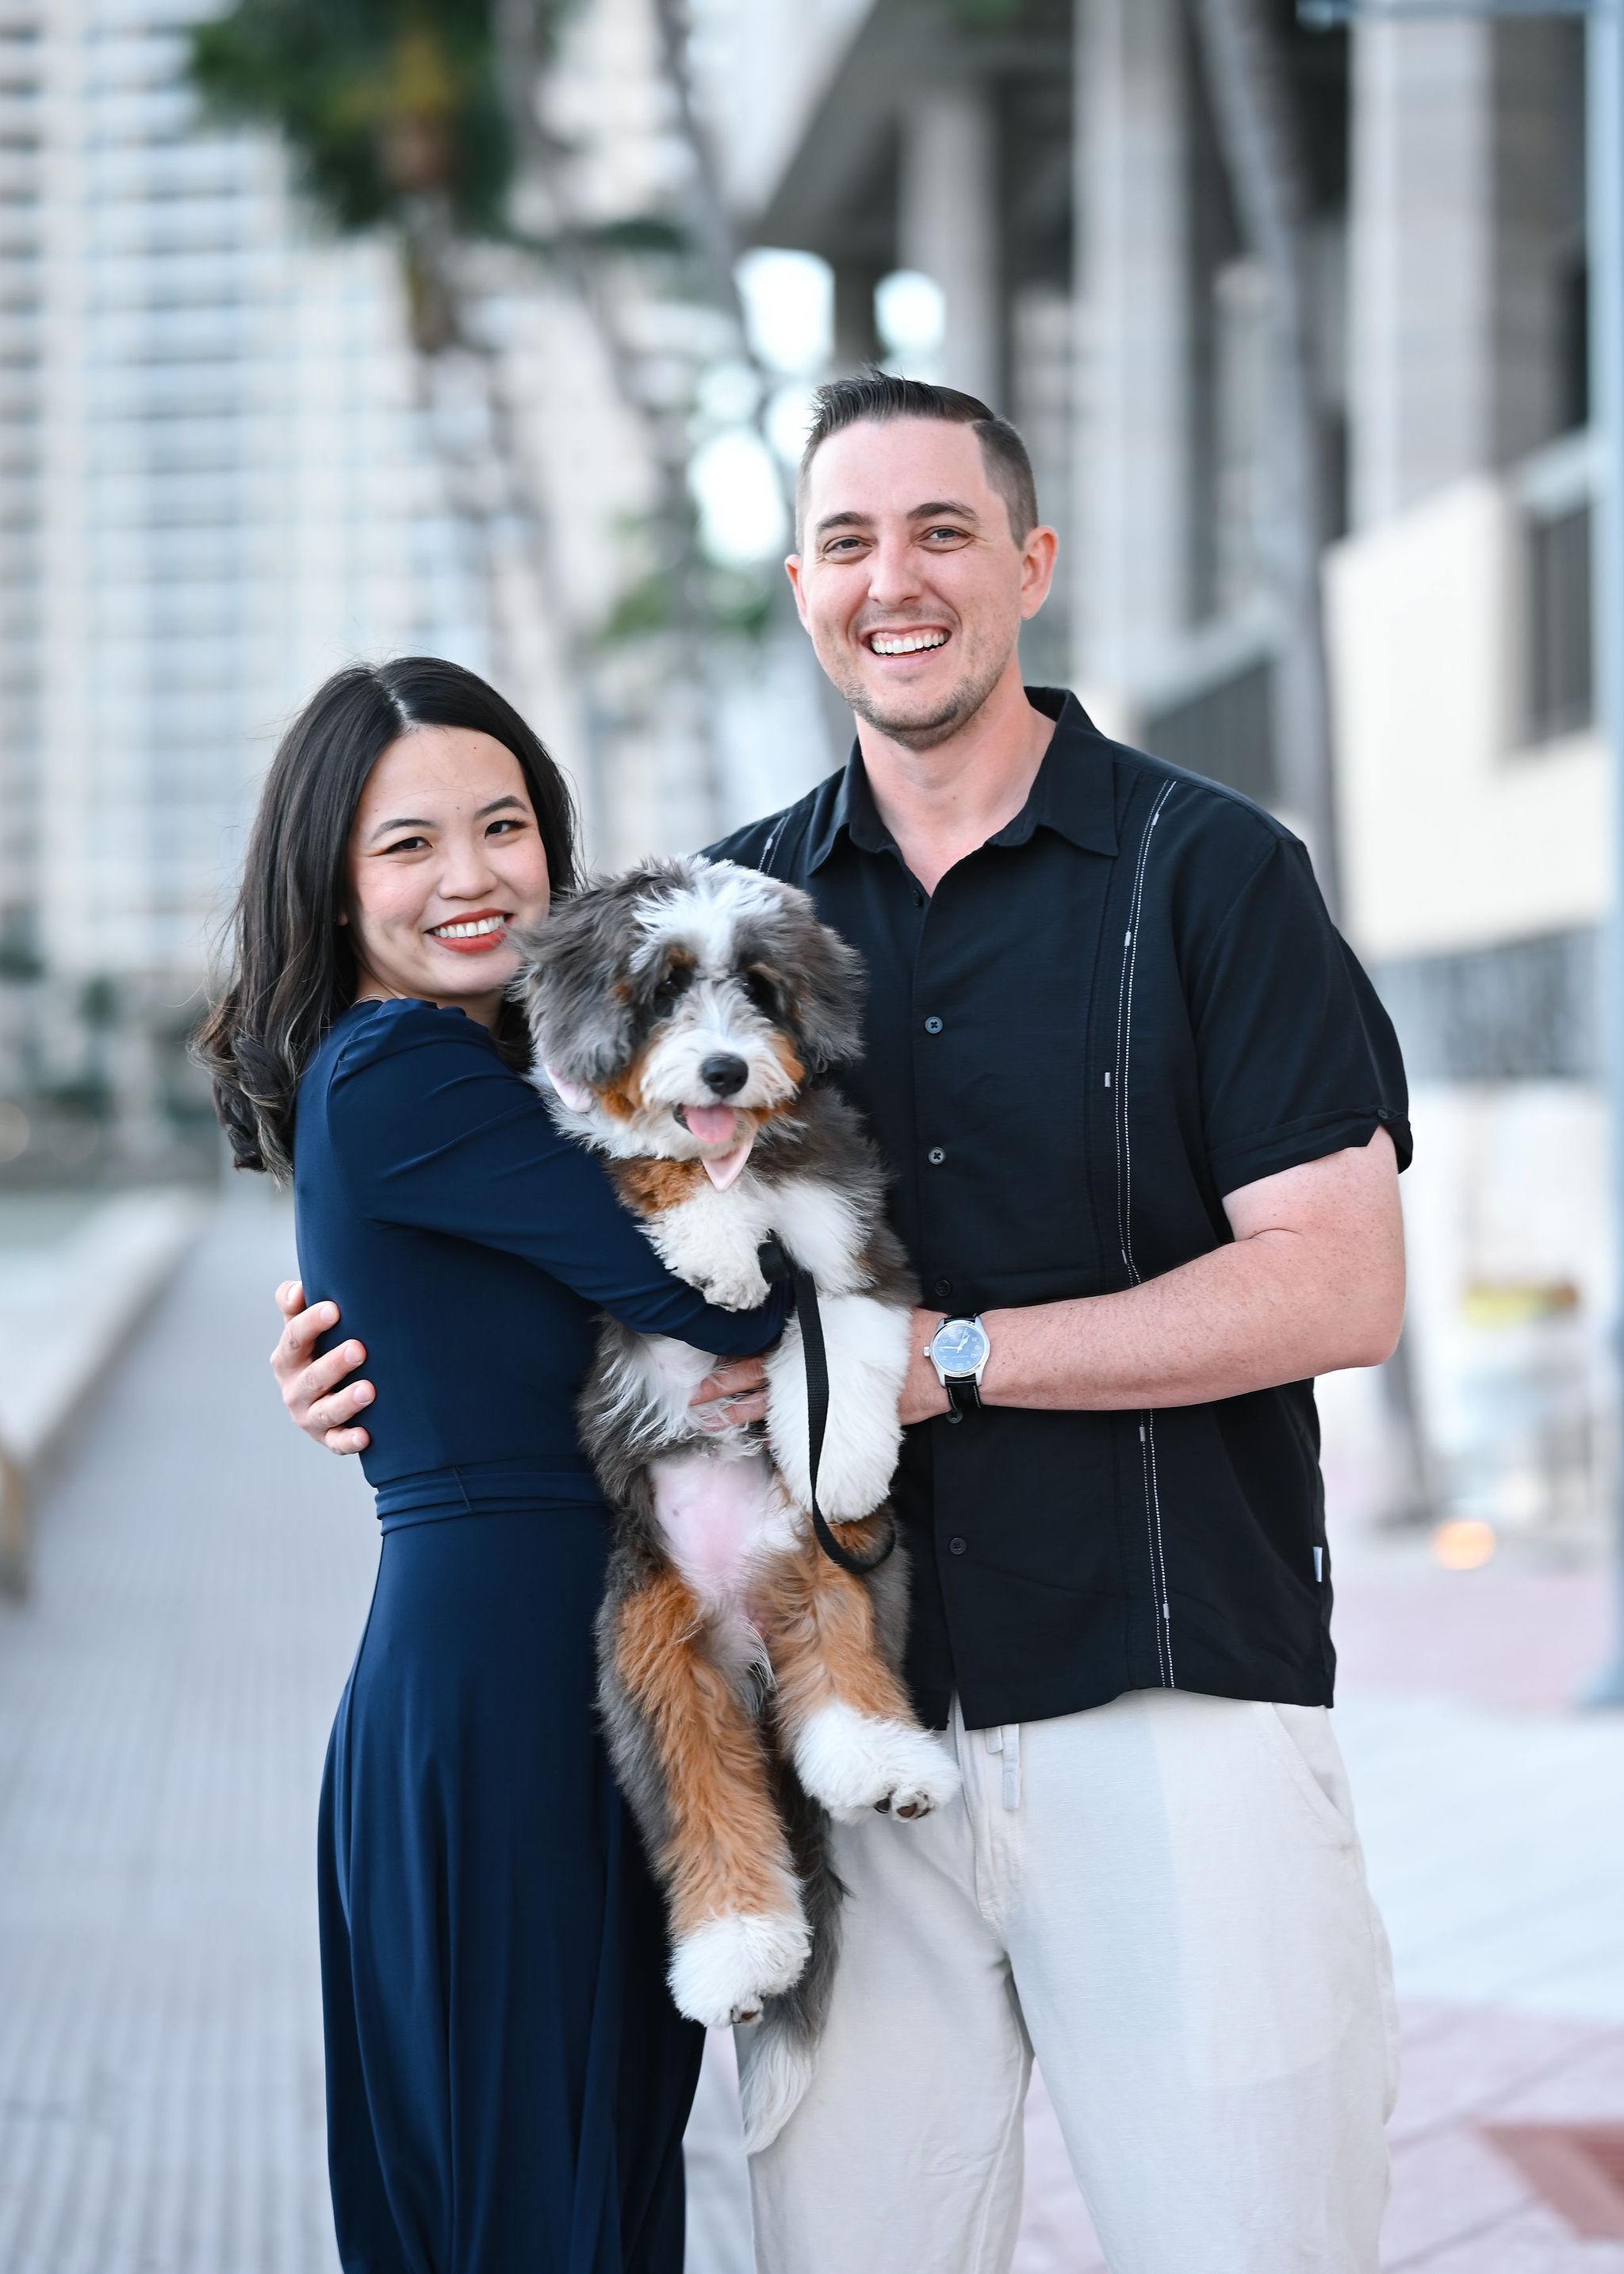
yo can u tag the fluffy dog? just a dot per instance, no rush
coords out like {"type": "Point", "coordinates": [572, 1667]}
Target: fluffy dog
{"type": "Point", "coordinates": [684, 1017]}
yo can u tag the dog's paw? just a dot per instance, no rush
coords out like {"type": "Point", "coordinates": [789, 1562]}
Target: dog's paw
{"type": "Point", "coordinates": [725, 1970]}
{"type": "Point", "coordinates": [853, 1762]}
{"type": "Point", "coordinates": [731, 1288]}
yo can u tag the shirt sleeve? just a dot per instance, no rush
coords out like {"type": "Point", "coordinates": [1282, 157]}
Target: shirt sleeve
{"type": "Point", "coordinates": [436, 1132]}
{"type": "Point", "coordinates": [1297, 1058]}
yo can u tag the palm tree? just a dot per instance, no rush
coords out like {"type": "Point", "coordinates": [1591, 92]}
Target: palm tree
{"type": "Point", "coordinates": [418, 117]}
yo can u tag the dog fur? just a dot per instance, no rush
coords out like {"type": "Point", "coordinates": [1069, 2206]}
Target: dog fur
{"type": "Point", "coordinates": [749, 1685]}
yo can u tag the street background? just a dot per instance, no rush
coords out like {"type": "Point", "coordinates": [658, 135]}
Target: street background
{"type": "Point", "coordinates": [487, 327]}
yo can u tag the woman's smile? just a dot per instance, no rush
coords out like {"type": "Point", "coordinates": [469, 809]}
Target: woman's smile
{"type": "Point", "coordinates": [473, 935]}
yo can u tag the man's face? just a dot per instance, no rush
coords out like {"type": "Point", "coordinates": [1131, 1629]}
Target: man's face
{"type": "Point", "coordinates": [908, 579]}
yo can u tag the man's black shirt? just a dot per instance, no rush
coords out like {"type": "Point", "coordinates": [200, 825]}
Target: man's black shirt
{"type": "Point", "coordinates": [1128, 1003]}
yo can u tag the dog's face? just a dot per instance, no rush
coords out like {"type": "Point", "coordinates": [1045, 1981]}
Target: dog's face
{"type": "Point", "coordinates": [680, 1007]}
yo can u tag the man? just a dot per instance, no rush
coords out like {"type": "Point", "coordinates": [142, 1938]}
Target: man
{"type": "Point", "coordinates": [1146, 1117]}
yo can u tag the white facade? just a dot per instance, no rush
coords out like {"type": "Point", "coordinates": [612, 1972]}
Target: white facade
{"type": "Point", "coordinates": [218, 491]}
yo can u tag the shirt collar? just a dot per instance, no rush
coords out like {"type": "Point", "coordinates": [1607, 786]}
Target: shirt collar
{"type": "Point", "coordinates": [1074, 793]}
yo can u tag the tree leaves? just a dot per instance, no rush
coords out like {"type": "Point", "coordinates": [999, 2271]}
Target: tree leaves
{"type": "Point", "coordinates": [382, 102]}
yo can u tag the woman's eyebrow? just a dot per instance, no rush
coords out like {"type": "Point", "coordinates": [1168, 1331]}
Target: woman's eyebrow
{"type": "Point", "coordinates": [417, 821]}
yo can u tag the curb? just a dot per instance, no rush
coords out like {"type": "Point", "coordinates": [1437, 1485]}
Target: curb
{"type": "Point", "coordinates": [53, 1357]}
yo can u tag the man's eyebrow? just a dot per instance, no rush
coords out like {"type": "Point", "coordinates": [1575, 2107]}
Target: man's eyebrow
{"type": "Point", "coordinates": [933, 510]}
{"type": "Point", "coordinates": [417, 820]}
{"type": "Point", "coordinates": [847, 519]}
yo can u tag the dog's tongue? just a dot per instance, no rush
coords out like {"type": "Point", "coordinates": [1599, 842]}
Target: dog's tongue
{"type": "Point", "coordinates": [711, 1123]}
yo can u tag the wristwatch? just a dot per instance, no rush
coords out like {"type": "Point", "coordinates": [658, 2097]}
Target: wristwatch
{"type": "Point", "coordinates": [959, 1350]}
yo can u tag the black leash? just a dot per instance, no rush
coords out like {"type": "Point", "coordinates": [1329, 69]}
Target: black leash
{"type": "Point", "coordinates": [775, 1265]}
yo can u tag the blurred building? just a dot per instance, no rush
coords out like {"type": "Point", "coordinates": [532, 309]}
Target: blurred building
{"type": "Point", "coordinates": [216, 487]}
{"type": "Point", "coordinates": [1056, 168]}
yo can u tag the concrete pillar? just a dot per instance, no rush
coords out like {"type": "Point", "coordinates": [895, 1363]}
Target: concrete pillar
{"type": "Point", "coordinates": [947, 226]}
{"type": "Point", "coordinates": [1421, 261]}
{"type": "Point", "coordinates": [856, 341]}
{"type": "Point", "coordinates": [1539, 208]}
{"type": "Point", "coordinates": [1131, 466]}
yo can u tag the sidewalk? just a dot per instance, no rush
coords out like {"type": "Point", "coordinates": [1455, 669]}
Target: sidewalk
{"type": "Point", "coordinates": [75, 1271]}
{"type": "Point", "coordinates": [201, 1579]}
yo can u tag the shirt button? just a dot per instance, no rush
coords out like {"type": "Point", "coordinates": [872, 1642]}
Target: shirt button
{"type": "Point", "coordinates": [957, 1545]}
{"type": "Point", "coordinates": [941, 1290]}
{"type": "Point", "coordinates": [932, 1026]}
{"type": "Point", "coordinates": [919, 898]}
{"type": "Point", "coordinates": [936, 1156]}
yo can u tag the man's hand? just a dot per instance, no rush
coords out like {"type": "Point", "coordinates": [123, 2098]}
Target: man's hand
{"type": "Point", "coordinates": [734, 1393]}
{"type": "Point", "coordinates": [307, 1383]}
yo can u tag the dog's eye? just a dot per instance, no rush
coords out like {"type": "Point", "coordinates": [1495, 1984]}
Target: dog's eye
{"type": "Point", "coordinates": [762, 993]}
{"type": "Point", "coordinates": [672, 987]}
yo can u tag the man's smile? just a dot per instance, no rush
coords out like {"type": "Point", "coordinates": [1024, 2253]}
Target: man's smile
{"type": "Point", "coordinates": [905, 643]}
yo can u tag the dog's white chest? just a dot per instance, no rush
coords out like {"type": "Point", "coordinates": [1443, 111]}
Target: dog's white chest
{"type": "Point", "coordinates": [718, 1517]}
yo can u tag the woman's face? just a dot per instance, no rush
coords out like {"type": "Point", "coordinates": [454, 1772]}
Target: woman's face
{"type": "Point", "coordinates": [445, 859]}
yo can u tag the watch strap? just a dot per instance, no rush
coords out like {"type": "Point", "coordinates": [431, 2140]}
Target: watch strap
{"type": "Point", "coordinates": [963, 1395]}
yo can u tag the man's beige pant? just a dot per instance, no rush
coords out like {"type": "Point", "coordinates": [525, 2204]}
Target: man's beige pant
{"type": "Point", "coordinates": [1164, 1899]}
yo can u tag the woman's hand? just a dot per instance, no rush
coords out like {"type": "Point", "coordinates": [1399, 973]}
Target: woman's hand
{"type": "Point", "coordinates": [734, 1393]}
{"type": "Point", "coordinates": [307, 1383]}
{"type": "Point", "coordinates": [738, 1392]}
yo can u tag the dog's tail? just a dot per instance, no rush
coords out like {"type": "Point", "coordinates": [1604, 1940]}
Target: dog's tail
{"type": "Point", "coordinates": [777, 2053]}
{"type": "Point", "coordinates": [775, 2068]}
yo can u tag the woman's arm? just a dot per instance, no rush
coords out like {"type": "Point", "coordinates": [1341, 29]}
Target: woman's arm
{"type": "Point", "coordinates": [433, 1132]}
{"type": "Point", "coordinates": [324, 1404]}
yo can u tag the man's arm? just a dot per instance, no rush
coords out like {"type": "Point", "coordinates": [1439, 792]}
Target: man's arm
{"type": "Point", "coordinates": [1313, 1282]}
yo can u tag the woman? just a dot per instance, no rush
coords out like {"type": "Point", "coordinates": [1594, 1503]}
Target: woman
{"type": "Point", "coordinates": [507, 2079]}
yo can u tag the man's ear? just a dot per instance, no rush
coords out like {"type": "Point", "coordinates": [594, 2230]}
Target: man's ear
{"type": "Point", "coordinates": [1037, 569]}
{"type": "Point", "coordinates": [792, 570]}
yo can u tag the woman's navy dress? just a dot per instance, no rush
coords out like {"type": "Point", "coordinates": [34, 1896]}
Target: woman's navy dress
{"type": "Point", "coordinates": [508, 2080]}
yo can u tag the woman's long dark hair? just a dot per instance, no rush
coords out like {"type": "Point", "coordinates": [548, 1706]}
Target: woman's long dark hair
{"type": "Point", "coordinates": [292, 968]}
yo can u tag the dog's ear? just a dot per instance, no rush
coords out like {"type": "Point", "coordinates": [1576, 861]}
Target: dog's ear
{"type": "Point", "coordinates": [574, 984]}
{"type": "Point", "coordinates": [828, 978]}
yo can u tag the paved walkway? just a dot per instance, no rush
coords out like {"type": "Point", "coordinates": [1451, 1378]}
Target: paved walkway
{"type": "Point", "coordinates": [164, 1698]}
{"type": "Point", "coordinates": [164, 1702]}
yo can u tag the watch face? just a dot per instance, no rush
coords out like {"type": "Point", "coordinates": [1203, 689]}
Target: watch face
{"type": "Point", "coordinates": [960, 1345]}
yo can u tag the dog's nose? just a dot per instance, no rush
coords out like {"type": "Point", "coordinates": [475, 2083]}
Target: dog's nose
{"type": "Point", "coordinates": [725, 1073]}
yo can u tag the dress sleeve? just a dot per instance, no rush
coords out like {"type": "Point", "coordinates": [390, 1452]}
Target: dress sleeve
{"type": "Point", "coordinates": [1298, 1057]}
{"type": "Point", "coordinates": [435, 1133]}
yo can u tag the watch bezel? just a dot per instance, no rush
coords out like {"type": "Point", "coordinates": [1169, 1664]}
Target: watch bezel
{"type": "Point", "coordinates": [957, 1371]}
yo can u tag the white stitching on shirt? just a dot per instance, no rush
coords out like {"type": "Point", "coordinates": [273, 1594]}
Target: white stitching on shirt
{"type": "Point", "coordinates": [778, 832]}
{"type": "Point", "coordinates": [1124, 1207]}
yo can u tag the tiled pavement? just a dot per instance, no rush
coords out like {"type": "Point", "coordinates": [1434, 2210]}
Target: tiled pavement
{"type": "Point", "coordinates": [164, 1702]}
{"type": "Point", "coordinates": [200, 1581]}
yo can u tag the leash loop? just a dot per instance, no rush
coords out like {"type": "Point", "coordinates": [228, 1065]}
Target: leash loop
{"type": "Point", "coordinates": [777, 1265]}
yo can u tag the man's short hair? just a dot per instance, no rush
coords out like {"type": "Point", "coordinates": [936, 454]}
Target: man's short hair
{"type": "Point", "coordinates": [877, 395]}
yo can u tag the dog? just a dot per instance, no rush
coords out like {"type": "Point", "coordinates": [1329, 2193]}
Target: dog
{"type": "Point", "coordinates": [685, 1019]}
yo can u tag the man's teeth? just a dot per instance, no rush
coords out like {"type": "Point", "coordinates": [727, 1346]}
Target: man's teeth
{"type": "Point", "coordinates": [475, 930]}
{"type": "Point", "coordinates": [905, 643]}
